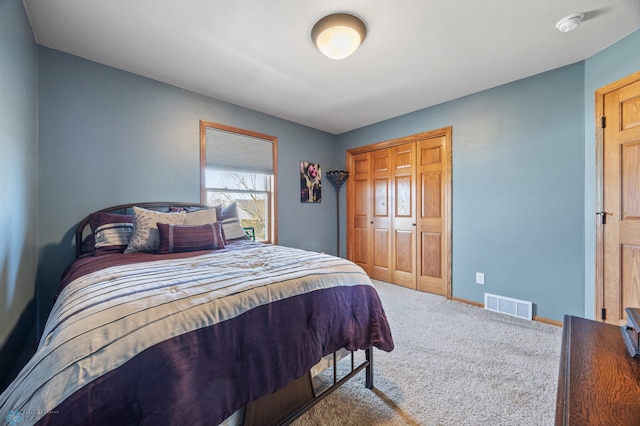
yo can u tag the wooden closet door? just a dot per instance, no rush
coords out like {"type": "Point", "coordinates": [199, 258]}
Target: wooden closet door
{"type": "Point", "coordinates": [407, 210]}
{"type": "Point", "coordinates": [433, 215]}
{"type": "Point", "coordinates": [360, 211]}
{"type": "Point", "coordinates": [381, 238]}
{"type": "Point", "coordinates": [404, 215]}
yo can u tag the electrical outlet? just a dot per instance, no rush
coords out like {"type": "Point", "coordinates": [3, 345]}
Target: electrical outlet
{"type": "Point", "coordinates": [479, 277]}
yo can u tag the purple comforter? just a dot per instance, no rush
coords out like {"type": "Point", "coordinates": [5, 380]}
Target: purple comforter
{"type": "Point", "coordinates": [204, 375]}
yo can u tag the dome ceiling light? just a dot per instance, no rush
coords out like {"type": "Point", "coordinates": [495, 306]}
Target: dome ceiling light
{"type": "Point", "coordinates": [338, 35]}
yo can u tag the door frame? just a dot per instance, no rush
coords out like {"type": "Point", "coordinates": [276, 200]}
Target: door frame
{"type": "Point", "coordinates": [599, 119]}
{"type": "Point", "coordinates": [445, 132]}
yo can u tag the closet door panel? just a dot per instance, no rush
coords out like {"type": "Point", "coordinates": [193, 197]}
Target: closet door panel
{"type": "Point", "coordinates": [381, 218]}
{"type": "Point", "coordinates": [381, 198]}
{"type": "Point", "coordinates": [404, 198]}
{"type": "Point", "coordinates": [432, 253]}
{"type": "Point", "coordinates": [381, 253]}
{"type": "Point", "coordinates": [359, 205]}
{"type": "Point", "coordinates": [431, 194]}
{"type": "Point", "coordinates": [404, 213]}
{"type": "Point", "coordinates": [404, 262]}
{"type": "Point", "coordinates": [431, 219]}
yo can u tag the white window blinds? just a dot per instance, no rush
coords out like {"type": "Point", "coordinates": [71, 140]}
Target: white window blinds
{"type": "Point", "coordinates": [236, 152]}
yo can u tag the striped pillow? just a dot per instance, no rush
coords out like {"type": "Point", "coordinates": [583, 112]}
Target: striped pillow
{"type": "Point", "coordinates": [181, 238]}
{"type": "Point", "coordinates": [111, 231]}
{"type": "Point", "coordinates": [231, 227]}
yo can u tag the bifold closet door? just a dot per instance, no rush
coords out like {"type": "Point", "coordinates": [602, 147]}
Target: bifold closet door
{"type": "Point", "coordinates": [359, 204]}
{"type": "Point", "coordinates": [399, 211]}
{"type": "Point", "coordinates": [433, 202]}
{"type": "Point", "coordinates": [381, 235]}
{"type": "Point", "coordinates": [404, 215]}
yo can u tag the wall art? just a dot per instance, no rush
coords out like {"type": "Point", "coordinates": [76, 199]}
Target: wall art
{"type": "Point", "coordinates": [310, 184]}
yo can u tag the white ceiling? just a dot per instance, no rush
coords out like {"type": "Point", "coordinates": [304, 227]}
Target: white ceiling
{"type": "Point", "coordinates": [258, 53]}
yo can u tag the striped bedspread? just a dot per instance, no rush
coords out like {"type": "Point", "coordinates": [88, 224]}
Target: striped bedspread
{"type": "Point", "coordinates": [190, 340]}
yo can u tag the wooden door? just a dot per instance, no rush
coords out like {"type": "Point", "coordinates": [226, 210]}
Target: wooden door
{"type": "Point", "coordinates": [404, 215]}
{"type": "Point", "coordinates": [434, 199]}
{"type": "Point", "coordinates": [381, 238]}
{"type": "Point", "coordinates": [359, 211]}
{"type": "Point", "coordinates": [619, 220]}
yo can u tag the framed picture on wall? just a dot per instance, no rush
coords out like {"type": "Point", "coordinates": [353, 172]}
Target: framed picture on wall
{"type": "Point", "coordinates": [310, 184]}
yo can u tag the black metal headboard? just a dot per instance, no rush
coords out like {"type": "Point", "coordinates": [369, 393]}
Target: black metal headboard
{"type": "Point", "coordinates": [84, 228]}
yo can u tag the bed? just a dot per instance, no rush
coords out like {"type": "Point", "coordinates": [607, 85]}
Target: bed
{"type": "Point", "coordinates": [171, 315]}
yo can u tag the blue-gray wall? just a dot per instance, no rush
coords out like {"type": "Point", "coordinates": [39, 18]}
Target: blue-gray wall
{"type": "Point", "coordinates": [518, 187]}
{"type": "Point", "coordinates": [18, 164]}
{"type": "Point", "coordinates": [523, 181]}
{"type": "Point", "coordinates": [611, 64]}
{"type": "Point", "coordinates": [109, 137]}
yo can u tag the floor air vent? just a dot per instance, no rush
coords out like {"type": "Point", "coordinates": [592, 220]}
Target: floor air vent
{"type": "Point", "coordinates": [506, 305]}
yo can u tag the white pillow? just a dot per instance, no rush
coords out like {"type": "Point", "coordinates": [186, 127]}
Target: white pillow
{"type": "Point", "coordinates": [145, 235]}
{"type": "Point", "coordinates": [200, 217]}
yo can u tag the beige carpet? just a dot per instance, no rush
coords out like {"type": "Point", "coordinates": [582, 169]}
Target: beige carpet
{"type": "Point", "coordinates": [453, 364]}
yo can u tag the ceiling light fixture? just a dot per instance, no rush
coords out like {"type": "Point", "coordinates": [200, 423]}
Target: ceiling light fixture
{"type": "Point", "coordinates": [569, 23]}
{"type": "Point", "coordinates": [339, 35]}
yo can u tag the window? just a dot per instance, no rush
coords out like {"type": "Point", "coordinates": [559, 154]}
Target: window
{"type": "Point", "coordinates": [240, 165]}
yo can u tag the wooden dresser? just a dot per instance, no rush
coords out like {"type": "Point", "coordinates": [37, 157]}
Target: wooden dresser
{"type": "Point", "coordinates": [599, 382]}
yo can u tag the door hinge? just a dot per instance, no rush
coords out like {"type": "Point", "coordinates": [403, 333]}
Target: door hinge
{"type": "Point", "coordinates": [603, 121]}
{"type": "Point", "coordinates": [603, 217]}
{"type": "Point", "coordinates": [603, 314]}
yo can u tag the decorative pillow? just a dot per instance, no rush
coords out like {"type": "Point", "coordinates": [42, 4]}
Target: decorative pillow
{"type": "Point", "coordinates": [145, 236]}
{"type": "Point", "coordinates": [181, 238]}
{"type": "Point", "coordinates": [231, 228]}
{"type": "Point", "coordinates": [111, 231]}
{"type": "Point", "coordinates": [200, 217]}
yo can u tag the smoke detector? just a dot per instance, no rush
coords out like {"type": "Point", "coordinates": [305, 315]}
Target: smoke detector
{"type": "Point", "coordinates": [569, 23]}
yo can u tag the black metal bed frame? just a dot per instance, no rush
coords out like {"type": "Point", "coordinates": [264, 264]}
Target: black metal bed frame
{"type": "Point", "coordinates": [367, 365]}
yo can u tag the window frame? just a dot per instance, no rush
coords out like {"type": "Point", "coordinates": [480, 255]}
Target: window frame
{"type": "Point", "coordinates": [273, 202]}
